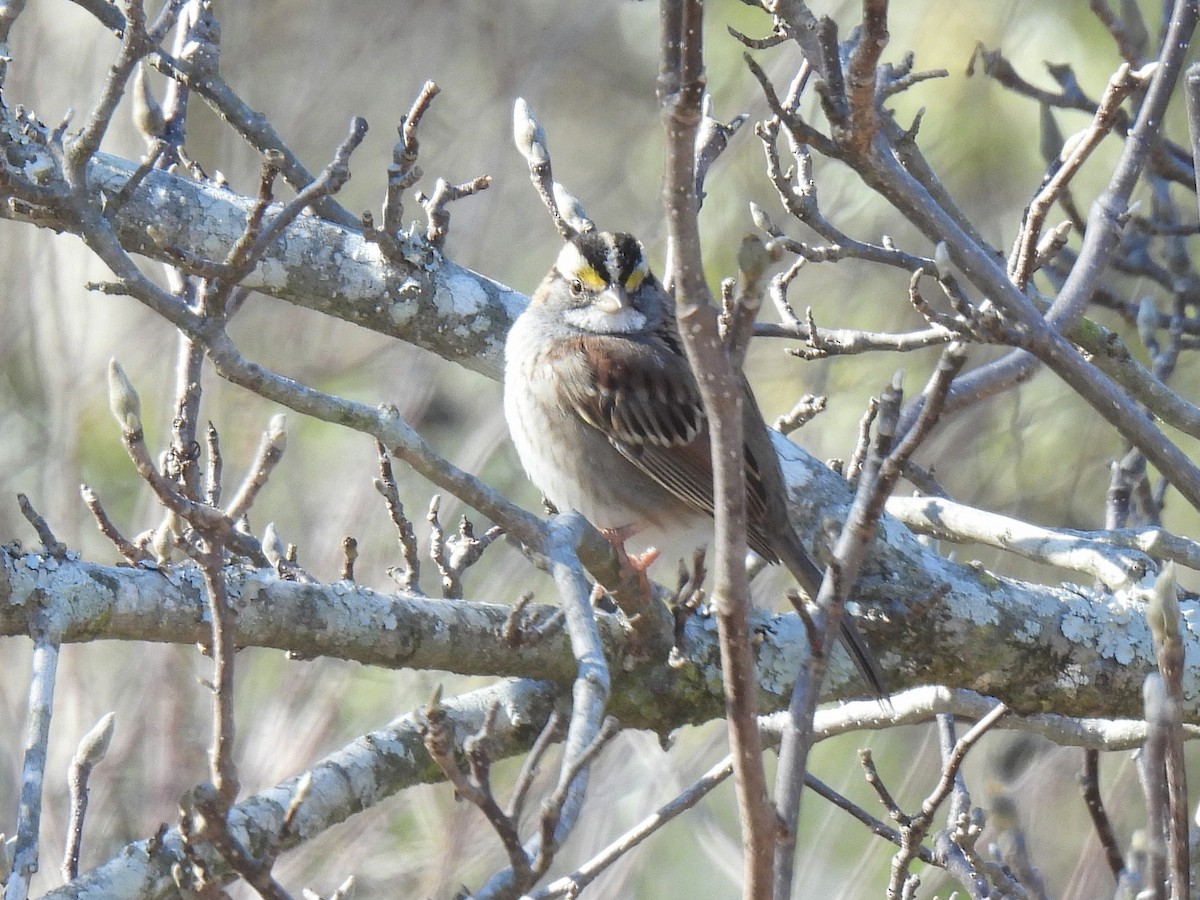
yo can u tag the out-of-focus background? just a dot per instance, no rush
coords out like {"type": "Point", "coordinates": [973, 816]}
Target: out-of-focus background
{"type": "Point", "coordinates": [588, 70]}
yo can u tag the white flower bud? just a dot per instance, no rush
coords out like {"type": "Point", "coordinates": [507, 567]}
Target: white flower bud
{"type": "Point", "coordinates": [123, 399]}
{"type": "Point", "coordinates": [94, 745]}
{"type": "Point", "coordinates": [528, 135]}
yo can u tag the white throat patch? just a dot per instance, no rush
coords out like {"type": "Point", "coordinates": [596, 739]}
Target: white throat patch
{"type": "Point", "coordinates": [587, 318]}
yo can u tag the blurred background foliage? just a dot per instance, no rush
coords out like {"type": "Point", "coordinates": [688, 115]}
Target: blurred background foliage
{"type": "Point", "coordinates": [588, 70]}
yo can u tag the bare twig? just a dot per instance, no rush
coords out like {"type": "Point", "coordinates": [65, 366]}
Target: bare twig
{"type": "Point", "coordinates": [1013, 847]}
{"type": "Point", "coordinates": [210, 822]}
{"type": "Point", "coordinates": [349, 556]}
{"type": "Point", "coordinates": [184, 453]}
{"type": "Point", "coordinates": [215, 468]}
{"type": "Point", "coordinates": [135, 44]}
{"type": "Point", "coordinates": [564, 800]}
{"type": "Point", "coordinates": [197, 71]}
{"type": "Point", "coordinates": [1165, 716]}
{"type": "Point", "coordinates": [881, 470]}
{"type": "Point", "coordinates": [588, 728]}
{"type": "Point", "coordinates": [553, 732]}
{"type": "Point", "coordinates": [1117, 558]}
{"type": "Point", "coordinates": [260, 234]}
{"type": "Point", "coordinates": [132, 553]}
{"type": "Point", "coordinates": [863, 445]}
{"type": "Point", "coordinates": [46, 646]}
{"type": "Point", "coordinates": [409, 577]}
{"type": "Point", "coordinates": [436, 205]}
{"type": "Point", "coordinates": [531, 142]}
{"type": "Point", "coordinates": [1090, 783]}
{"type": "Point", "coordinates": [711, 140]}
{"type": "Point", "coordinates": [404, 172]}
{"type": "Point", "coordinates": [1152, 769]}
{"type": "Point", "coordinates": [1121, 85]}
{"type": "Point", "coordinates": [271, 447]}
{"type": "Point", "coordinates": [573, 884]}
{"type": "Point", "coordinates": [222, 765]}
{"type": "Point", "coordinates": [680, 92]}
{"type": "Point", "coordinates": [456, 553]}
{"type": "Point", "coordinates": [849, 341]}
{"type": "Point", "coordinates": [916, 827]}
{"type": "Point", "coordinates": [807, 408]}
{"type": "Point", "coordinates": [53, 545]}
{"type": "Point", "coordinates": [439, 741]}
{"type": "Point", "coordinates": [93, 747]}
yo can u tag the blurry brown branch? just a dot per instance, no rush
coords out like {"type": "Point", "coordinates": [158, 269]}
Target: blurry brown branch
{"type": "Point", "coordinates": [680, 95]}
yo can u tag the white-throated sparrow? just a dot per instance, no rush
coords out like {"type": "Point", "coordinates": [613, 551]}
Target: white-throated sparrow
{"type": "Point", "coordinates": [607, 418]}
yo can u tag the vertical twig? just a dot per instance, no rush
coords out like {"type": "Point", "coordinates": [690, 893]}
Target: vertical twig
{"type": "Point", "coordinates": [41, 707]}
{"type": "Point", "coordinates": [1192, 89]}
{"type": "Point", "coordinates": [1151, 768]}
{"type": "Point", "coordinates": [681, 90]}
{"type": "Point", "coordinates": [91, 751]}
{"type": "Point", "coordinates": [1090, 782]}
{"type": "Point", "coordinates": [1164, 715]}
{"type": "Point", "coordinates": [224, 770]}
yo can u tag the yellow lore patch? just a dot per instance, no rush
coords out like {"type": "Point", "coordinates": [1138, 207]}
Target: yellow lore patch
{"type": "Point", "coordinates": [572, 264]}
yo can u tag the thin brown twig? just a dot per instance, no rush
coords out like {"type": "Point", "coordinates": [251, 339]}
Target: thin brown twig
{"type": "Point", "coordinates": [404, 172]}
{"type": "Point", "coordinates": [214, 470]}
{"type": "Point", "coordinates": [53, 546]}
{"type": "Point", "coordinates": [349, 556]}
{"type": "Point", "coordinates": [1121, 85]}
{"type": "Point", "coordinates": [260, 233]}
{"type": "Point", "coordinates": [135, 44]}
{"type": "Point", "coordinates": [271, 447]}
{"type": "Point", "coordinates": [221, 762]}
{"type": "Point", "coordinates": [436, 205]}
{"type": "Point", "coordinates": [132, 553]}
{"type": "Point", "coordinates": [914, 828]}
{"type": "Point", "coordinates": [880, 471]}
{"type": "Point", "coordinates": [439, 742]}
{"type": "Point", "coordinates": [863, 445]}
{"type": "Point", "coordinates": [1090, 784]}
{"type": "Point", "coordinates": [408, 577]}
{"type": "Point", "coordinates": [1164, 713]}
{"type": "Point", "coordinates": [680, 92]}
{"type": "Point", "coordinates": [211, 810]}
{"type": "Point", "coordinates": [551, 733]}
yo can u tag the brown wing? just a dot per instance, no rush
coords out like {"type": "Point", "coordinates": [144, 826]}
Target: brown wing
{"type": "Point", "coordinates": [633, 389]}
{"type": "Point", "coordinates": [639, 391]}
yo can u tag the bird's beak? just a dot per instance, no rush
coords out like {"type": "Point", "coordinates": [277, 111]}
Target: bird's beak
{"type": "Point", "coordinates": [612, 299]}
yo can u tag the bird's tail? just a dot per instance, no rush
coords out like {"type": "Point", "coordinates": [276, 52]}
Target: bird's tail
{"type": "Point", "coordinates": [797, 561]}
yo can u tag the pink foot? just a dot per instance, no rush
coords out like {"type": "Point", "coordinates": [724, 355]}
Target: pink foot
{"type": "Point", "coordinates": [634, 564]}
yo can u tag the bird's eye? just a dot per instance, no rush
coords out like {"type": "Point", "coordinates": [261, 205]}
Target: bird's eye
{"type": "Point", "coordinates": [576, 287]}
